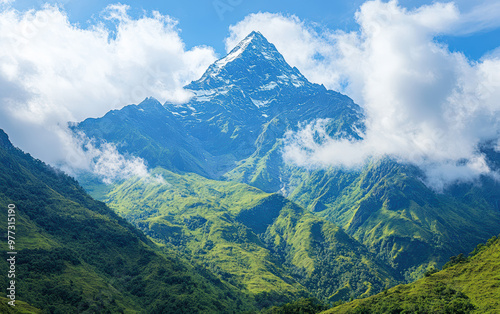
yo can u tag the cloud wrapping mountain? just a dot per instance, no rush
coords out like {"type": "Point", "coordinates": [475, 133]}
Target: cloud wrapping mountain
{"type": "Point", "coordinates": [424, 103]}
{"type": "Point", "coordinates": [53, 72]}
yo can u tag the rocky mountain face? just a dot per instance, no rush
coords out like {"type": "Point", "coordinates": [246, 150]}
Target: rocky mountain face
{"type": "Point", "coordinates": [249, 91]}
{"type": "Point", "coordinates": [232, 130]}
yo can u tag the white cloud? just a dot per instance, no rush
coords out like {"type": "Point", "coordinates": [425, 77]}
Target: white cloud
{"type": "Point", "coordinates": [103, 160]}
{"type": "Point", "coordinates": [312, 147]}
{"type": "Point", "coordinates": [482, 16]}
{"type": "Point", "coordinates": [110, 165]}
{"type": "Point", "coordinates": [424, 104]}
{"type": "Point", "coordinates": [52, 72]}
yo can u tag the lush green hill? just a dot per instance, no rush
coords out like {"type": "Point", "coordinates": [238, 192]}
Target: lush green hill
{"type": "Point", "coordinates": [20, 308]}
{"type": "Point", "coordinates": [259, 242]}
{"type": "Point", "coordinates": [466, 285]}
{"type": "Point", "coordinates": [76, 255]}
{"type": "Point", "coordinates": [388, 208]}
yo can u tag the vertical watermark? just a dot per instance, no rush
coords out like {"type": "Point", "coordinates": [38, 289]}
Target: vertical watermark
{"type": "Point", "coordinates": [11, 253]}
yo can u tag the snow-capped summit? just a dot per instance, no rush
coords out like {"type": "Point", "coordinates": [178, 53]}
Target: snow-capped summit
{"type": "Point", "coordinates": [253, 65]}
{"type": "Point", "coordinates": [247, 99]}
{"type": "Point", "coordinates": [250, 85]}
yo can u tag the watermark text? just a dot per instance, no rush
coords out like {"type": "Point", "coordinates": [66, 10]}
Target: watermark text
{"type": "Point", "coordinates": [11, 253]}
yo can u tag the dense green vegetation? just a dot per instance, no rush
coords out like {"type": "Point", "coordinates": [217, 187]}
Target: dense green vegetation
{"type": "Point", "coordinates": [76, 255]}
{"type": "Point", "coordinates": [302, 306]}
{"type": "Point", "coordinates": [261, 243]}
{"type": "Point", "coordinates": [388, 208]}
{"type": "Point", "coordinates": [466, 285]}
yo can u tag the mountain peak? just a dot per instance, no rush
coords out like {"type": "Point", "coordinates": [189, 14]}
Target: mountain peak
{"type": "Point", "coordinates": [254, 38]}
{"type": "Point", "coordinates": [4, 140]}
{"type": "Point", "coordinates": [254, 44]}
{"type": "Point", "coordinates": [253, 63]}
{"type": "Point", "coordinates": [150, 101]}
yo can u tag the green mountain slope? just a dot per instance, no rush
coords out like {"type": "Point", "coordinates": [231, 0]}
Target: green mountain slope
{"type": "Point", "coordinates": [259, 242]}
{"type": "Point", "coordinates": [76, 255]}
{"type": "Point", "coordinates": [387, 207]}
{"type": "Point", "coordinates": [384, 205]}
{"type": "Point", "coordinates": [20, 308]}
{"type": "Point", "coordinates": [471, 285]}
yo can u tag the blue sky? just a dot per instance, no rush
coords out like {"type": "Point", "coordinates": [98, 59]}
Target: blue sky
{"type": "Point", "coordinates": [206, 22]}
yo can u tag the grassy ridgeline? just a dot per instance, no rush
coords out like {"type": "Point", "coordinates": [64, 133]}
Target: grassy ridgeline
{"type": "Point", "coordinates": [467, 285]}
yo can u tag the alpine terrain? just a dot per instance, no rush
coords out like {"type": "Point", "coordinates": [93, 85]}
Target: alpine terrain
{"type": "Point", "coordinates": [224, 223]}
{"type": "Point", "coordinates": [233, 130]}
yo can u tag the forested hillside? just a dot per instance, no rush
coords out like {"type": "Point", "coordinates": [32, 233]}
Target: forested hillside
{"type": "Point", "coordinates": [261, 243]}
{"type": "Point", "coordinates": [74, 254]}
{"type": "Point", "coordinates": [465, 285]}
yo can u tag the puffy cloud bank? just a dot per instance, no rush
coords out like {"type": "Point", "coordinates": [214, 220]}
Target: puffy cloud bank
{"type": "Point", "coordinates": [53, 72]}
{"type": "Point", "coordinates": [424, 104]}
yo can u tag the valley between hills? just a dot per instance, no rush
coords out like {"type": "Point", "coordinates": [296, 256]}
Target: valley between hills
{"type": "Point", "coordinates": [222, 223]}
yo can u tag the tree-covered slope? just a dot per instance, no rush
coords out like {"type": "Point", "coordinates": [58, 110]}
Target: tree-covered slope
{"type": "Point", "coordinates": [20, 308]}
{"type": "Point", "coordinates": [466, 285]}
{"type": "Point", "coordinates": [75, 255]}
{"type": "Point", "coordinates": [259, 242]}
{"type": "Point", "coordinates": [387, 207]}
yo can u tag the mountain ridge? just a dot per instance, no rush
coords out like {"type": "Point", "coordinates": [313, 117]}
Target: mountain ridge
{"type": "Point", "coordinates": [383, 204]}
